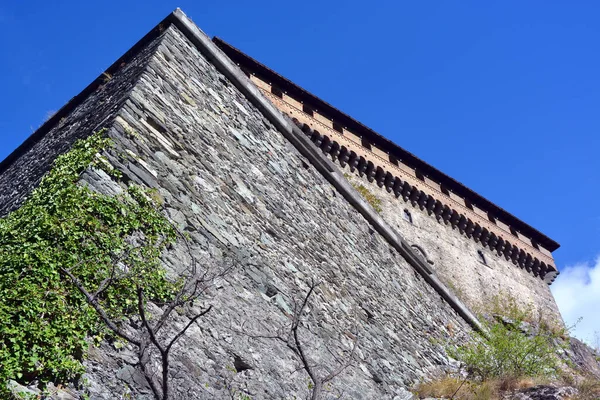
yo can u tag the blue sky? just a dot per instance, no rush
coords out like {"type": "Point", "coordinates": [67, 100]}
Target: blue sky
{"type": "Point", "coordinates": [503, 96]}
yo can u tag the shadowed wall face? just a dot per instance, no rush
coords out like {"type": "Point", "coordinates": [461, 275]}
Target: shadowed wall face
{"type": "Point", "coordinates": [247, 198]}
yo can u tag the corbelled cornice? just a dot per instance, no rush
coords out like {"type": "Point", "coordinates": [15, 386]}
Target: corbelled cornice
{"type": "Point", "coordinates": [342, 123]}
{"type": "Point", "coordinates": [403, 181]}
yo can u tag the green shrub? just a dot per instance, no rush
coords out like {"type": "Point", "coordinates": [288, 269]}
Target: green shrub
{"type": "Point", "coordinates": [65, 226]}
{"type": "Point", "coordinates": [510, 352]}
{"type": "Point", "coordinates": [518, 343]}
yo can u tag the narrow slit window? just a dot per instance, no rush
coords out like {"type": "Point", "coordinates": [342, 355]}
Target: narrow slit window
{"type": "Point", "coordinates": [481, 257]}
{"type": "Point", "coordinates": [407, 216]}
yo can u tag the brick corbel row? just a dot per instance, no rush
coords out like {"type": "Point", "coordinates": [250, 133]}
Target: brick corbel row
{"type": "Point", "coordinates": [426, 202]}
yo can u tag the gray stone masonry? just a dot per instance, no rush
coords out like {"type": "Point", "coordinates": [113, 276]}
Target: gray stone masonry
{"type": "Point", "coordinates": [95, 112]}
{"type": "Point", "coordinates": [248, 199]}
{"type": "Point", "coordinates": [456, 259]}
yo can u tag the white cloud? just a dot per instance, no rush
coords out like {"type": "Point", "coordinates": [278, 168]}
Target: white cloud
{"type": "Point", "coordinates": [577, 292]}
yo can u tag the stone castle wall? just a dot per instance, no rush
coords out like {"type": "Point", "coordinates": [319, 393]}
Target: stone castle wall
{"type": "Point", "coordinates": [458, 260]}
{"type": "Point", "coordinates": [476, 269]}
{"type": "Point", "coordinates": [249, 200]}
{"type": "Point", "coordinates": [402, 178]}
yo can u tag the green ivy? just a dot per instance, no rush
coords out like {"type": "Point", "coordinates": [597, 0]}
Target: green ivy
{"type": "Point", "coordinates": [65, 225]}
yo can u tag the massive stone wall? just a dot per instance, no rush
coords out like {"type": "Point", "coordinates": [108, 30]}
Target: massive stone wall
{"type": "Point", "coordinates": [247, 199]}
{"type": "Point", "coordinates": [481, 258]}
{"type": "Point", "coordinates": [475, 273]}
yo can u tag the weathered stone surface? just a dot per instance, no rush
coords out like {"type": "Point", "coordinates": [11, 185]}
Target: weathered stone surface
{"type": "Point", "coordinates": [544, 392]}
{"type": "Point", "coordinates": [248, 199]}
{"type": "Point", "coordinates": [455, 258]}
{"type": "Point", "coordinates": [584, 357]}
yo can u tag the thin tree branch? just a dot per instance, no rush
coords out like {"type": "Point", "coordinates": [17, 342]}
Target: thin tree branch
{"type": "Point", "coordinates": [344, 365]}
{"type": "Point", "coordinates": [99, 310]}
{"type": "Point", "coordinates": [144, 358]}
{"type": "Point", "coordinates": [151, 331]}
{"type": "Point", "coordinates": [182, 331]}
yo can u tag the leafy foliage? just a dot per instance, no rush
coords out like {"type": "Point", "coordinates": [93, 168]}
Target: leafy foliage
{"type": "Point", "coordinates": [64, 227]}
{"type": "Point", "coordinates": [515, 347]}
{"type": "Point", "coordinates": [510, 352]}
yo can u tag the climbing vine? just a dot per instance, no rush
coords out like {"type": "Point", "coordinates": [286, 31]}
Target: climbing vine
{"type": "Point", "coordinates": [67, 229]}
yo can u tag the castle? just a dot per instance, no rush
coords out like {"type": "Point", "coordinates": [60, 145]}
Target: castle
{"type": "Point", "coordinates": [250, 164]}
{"type": "Point", "coordinates": [504, 241]}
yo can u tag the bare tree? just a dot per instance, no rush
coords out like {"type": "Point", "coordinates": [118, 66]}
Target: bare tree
{"type": "Point", "coordinates": [148, 336]}
{"type": "Point", "coordinates": [291, 336]}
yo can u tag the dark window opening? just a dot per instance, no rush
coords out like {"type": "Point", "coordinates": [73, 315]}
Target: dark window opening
{"type": "Point", "coordinates": [276, 91]}
{"type": "Point", "coordinates": [514, 232]}
{"type": "Point", "coordinates": [481, 257]}
{"type": "Point", "coordinates": [468, 204]}
{"type": "Point", "coordinates": [338, 127]}
{"type": "Point", "coordinates": [365, 143]}
{"type": "Point", "coordinates": [491, 218]}
{"type": "Point", "coordinates": [393, 160]}
{"type": "Point", "coordinates": [419, 175]}
{"type": "Point", "coordinates": [445, 190]}
{"type": "Point", "coordinates": [307, 109]}
{"type": "Point", "coordinates": [407, 216]}
{"type": "Point", "coordinates": [535, 245]}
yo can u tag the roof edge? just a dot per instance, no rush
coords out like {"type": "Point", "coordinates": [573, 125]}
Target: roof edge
{"type": "Point", "coordinates": [75, 101]}
{"type": "Point", "coordinates": [455, 186]}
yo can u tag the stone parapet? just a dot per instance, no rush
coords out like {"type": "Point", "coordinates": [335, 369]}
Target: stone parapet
{"type": "Point", "coordinates": [402, 180]}
{"type": "Point", "coordinates": [342, 123]}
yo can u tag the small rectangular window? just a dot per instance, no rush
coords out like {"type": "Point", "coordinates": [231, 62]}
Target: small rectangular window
{"type": "Point", "coordinates": [307, 109]}
{"type": "Point", "coordinates": [514, 232]}
{"type": "Point", "coordinates": [365, 143]}
{"type": "Point", "coordinates": [444, 190]}
{"type": "Point", "coordinates": [337, 127]}
{"type": "Point", "coordinates": [276, 91]}
{"type": "Point", "coordinates": [407, 216]}
{"type": "Point", "coordinates": [393, 160]}
{"type": "Point", "coordinates": [491, 218]}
